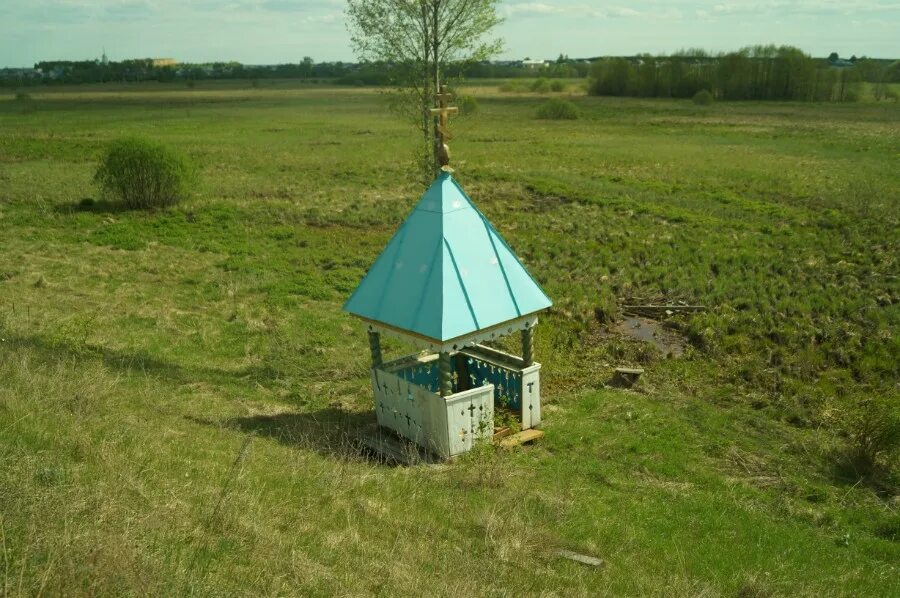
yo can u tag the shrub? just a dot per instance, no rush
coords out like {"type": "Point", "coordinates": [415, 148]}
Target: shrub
{"type": "Point", "coordinates": [852, 94]}
{"type": "Point", "coordinates": [25, 103]}
{"type": "Point", "coordinates": [873, 428]}
{"type": "Point", "coordinates": [703, 98]}
{"type": "Point", "coordinates": [512, 87]}
{"type": "Point", "coordinates": [143, 174]}
{"type": "Point", "coordinates": [557, 85]}
{"type": "Point", "coordinates": [540, 86]}
{"type": "Point", "coordinates": [892, 95]}
{"type": "Point", "coordinates": [468, 105]}
{"type": "Point", "coordinates": [557, 109]}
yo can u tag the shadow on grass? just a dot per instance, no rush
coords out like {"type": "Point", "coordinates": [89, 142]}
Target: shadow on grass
{"type": "Point", "coordinates": [94, 206]}
{"type": "Point", "coordinates": [848, 471]}
{"type": "Point", "coordinates": [131, 362]}
{"type": "Point", "coordinates": [331, 432]}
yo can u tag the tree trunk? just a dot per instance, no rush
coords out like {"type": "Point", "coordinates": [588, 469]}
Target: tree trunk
{"type": "Point", "coordinates": [436, 80]}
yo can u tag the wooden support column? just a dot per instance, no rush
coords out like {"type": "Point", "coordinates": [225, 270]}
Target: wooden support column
{"type": "Point", "coordinates": [462, 372]}
{"type": "Point", "coordinates": [528, 346]}
{"type": "Point", "coordinates": [444, 371]}
{"type": "Point", "coordinates": [375, 348]}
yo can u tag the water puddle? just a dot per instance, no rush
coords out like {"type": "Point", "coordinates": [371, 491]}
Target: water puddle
{"type": "Point", "coordinates": [669, 343]}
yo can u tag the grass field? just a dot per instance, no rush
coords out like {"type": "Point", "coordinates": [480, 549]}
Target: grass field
{"type": "Point", "coordinates": [179, 389]}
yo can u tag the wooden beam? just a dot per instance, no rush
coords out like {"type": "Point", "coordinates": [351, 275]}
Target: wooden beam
{"type": "Point", "coordinates": [528, 346]}
{"type": "Point", "coordinates": [375, 348]}
{"type": "Point", "coordinates": [523, 437]}
{"type": "Point", "coordinates": [449, 110]}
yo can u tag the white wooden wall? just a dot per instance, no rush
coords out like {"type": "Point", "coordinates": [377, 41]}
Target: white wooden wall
{"type": "Point", "coordinates": [446, 426]}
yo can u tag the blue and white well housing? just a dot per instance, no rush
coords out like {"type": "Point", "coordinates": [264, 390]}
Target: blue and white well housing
{"type": "Point", "coordinates": [447, 282]}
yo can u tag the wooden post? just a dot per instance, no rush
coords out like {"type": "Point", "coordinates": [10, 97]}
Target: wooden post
{"type": "Point", "coordinates": [442, 134]}
{"type": "Point", "coordinates": [375, 348]}
{"type": "Point", "coordinates": [444, 371]}
{"type": "Point", "coordinates": [462, 372]}
{"type": "Point", "coordinates": [528, 346]}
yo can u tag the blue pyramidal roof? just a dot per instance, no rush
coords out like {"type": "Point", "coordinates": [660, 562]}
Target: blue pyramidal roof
{"type": "Point", "coordinates": [446, 272]}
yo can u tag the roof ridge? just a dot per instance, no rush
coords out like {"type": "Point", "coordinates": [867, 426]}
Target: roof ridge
{"type": "Point", "coordinates": [462, 283]}
{"type": "Point", "coordinates": [436, 264]}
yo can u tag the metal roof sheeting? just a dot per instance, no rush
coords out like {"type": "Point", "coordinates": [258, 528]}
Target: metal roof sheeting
{"type": "Point", "coordinates": [446, 272]}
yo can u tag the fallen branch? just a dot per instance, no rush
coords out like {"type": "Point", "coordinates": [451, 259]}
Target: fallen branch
{"type": "Point", "coordinates": [657, 310]}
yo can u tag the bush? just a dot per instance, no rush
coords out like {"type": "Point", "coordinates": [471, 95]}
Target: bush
{"type": "Point", "coordinates": [557, 85]}
{"type": "Point", "coordinates": [852, 94]}
{"type": "Point", "coordinates": [143, 174]}
{"type": "Point", "coordinates": [873, 429]}
{"type": "Point", "coordinates": [512, 87]}
{"type": "Point", "coordinates": [703, 98]}
{"type": "Point", "coordinates": [540, 86]}
{"type": "Point", "coordinates": [468, 105]}
{"type": "Point", "coordinates": [892, 95]}
{"type": "Point", "coordinates": [557, 109]}
{"type": "Point", "coordinates": [23, 97]}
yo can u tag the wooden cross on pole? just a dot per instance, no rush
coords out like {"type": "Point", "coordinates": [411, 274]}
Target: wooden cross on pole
{"type": "Point", "coordinates": [442, 131]}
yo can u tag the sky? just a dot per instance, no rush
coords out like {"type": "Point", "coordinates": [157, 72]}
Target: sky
{"type": "Point", "coordinates": [277, 31]}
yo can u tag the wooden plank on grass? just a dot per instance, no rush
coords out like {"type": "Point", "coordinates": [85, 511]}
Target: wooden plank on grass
{"type": "Point", "coordinates": [523, 437]}
{"type": "Point", "coordinates": [581, 558]}
{"type": "Point", "coordinates": [501, 433]}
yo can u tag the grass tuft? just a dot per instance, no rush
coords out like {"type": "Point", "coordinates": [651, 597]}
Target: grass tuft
{"type": "Point", "coordinates": [703, 98]}
{"type": "Point", "coordinates": [557, 109]}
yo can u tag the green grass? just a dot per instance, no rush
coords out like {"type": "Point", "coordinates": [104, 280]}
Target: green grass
{"type": "Point", "coordinates": [179, 389]}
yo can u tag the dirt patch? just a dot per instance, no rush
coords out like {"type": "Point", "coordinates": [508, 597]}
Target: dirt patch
{"type": "Point", "coordinates": [669, 342]}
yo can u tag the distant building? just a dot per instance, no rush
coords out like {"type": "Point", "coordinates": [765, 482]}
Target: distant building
{"type": "Point", "coordinates": [24, 73]}
{"type": "Point", "coordinates": [58, 72]}
{"type": "Point", "coordinates": [534, 64]}
{"type": "Point", "coordinates": [161, 62]}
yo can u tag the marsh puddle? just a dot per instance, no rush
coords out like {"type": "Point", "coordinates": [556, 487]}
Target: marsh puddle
{"type": "Point", "coordinates": [646, 330]}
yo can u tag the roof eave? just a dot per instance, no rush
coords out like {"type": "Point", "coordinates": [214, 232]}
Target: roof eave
{"type": "Point", "coordinates": [458, 342]}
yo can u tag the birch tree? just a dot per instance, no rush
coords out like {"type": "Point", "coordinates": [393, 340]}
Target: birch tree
{"type": "Point", "coordinates": [418, 39]}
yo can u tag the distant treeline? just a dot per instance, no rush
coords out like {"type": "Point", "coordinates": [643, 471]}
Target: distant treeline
{"type": "Point", "coordinates": [346, 73]}
{"type": "Point", "coordinates": [755, 73]}
{"type": "Point", "coordinates": [146, 69]}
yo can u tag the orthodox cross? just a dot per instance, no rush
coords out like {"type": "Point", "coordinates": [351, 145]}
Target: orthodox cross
{"type": "Point", "coordinates": [443, 112]}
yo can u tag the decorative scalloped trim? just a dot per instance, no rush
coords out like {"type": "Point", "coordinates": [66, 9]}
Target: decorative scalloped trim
{"type": "Point", "coordinates": [488, 334]}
